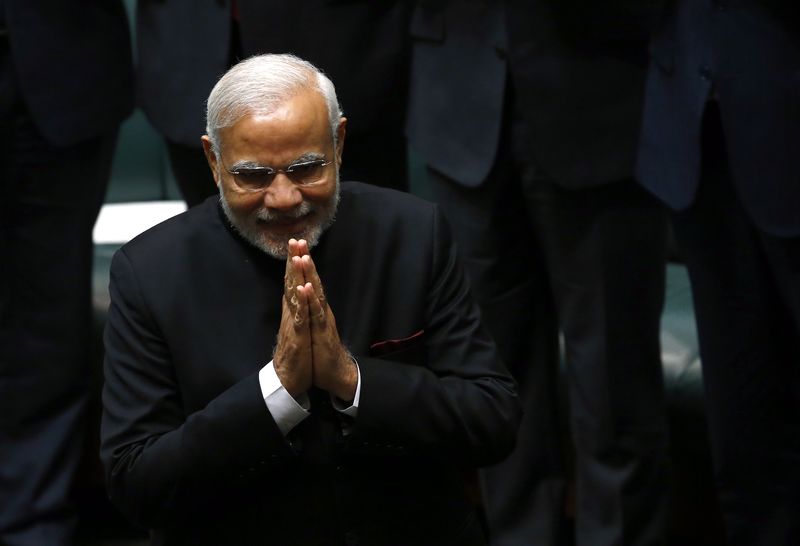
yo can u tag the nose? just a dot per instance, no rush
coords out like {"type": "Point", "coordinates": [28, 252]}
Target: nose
{"type": "Point", "coordinates": [282, 194]}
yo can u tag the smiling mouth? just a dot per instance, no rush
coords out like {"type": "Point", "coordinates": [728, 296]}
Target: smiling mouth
{"type": "Point", "coordinates": [286, 225]}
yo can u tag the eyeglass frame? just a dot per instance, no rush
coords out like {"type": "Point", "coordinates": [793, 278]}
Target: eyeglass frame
{"type": "Point", "coordinates": [273, 172]}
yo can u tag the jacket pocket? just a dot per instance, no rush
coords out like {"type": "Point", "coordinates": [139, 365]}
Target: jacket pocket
{"type": "Point", "coordinates": [410, 350]}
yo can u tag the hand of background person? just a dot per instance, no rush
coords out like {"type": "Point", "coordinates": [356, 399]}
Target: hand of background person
{"type": "Point", "coordinates": [333, 368]}
{"type": "Point", "coordinates": [292, 358]}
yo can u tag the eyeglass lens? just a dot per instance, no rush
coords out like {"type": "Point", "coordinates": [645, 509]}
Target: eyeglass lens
{"type": "Point", "coordinates": [301, 174]}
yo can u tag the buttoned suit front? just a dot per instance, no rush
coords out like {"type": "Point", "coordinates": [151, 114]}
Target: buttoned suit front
{"type": "Point", "coordinates": [190, 448]}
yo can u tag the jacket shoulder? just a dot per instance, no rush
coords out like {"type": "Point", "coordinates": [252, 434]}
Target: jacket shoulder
{"type": "Point", "coordinates": [173, 237]}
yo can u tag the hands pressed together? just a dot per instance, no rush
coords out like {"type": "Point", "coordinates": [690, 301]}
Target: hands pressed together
{"type": "Point", "coordinates": [308, 351]}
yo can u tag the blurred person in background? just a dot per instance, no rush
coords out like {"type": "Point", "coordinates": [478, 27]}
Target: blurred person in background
{"type": "Point", "coordinates": [720, 140]}
{"type": "Point", "coordinates": [184, 46]}
{"type": "Point", "coordinates": [527, 114]}
{"type": "Point", "coordinates": [66, 83]}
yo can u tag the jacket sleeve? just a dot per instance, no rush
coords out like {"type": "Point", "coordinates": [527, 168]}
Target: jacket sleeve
{"type": "Point", "coordinates": [160, 462]}
{"type": "Point", "coordinates": [449, 397]}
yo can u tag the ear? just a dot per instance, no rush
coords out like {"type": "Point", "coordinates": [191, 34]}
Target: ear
{"type": "Point", "coordinates": [211, 157]}
{"type": "Point", "coordinates": [341, 131]}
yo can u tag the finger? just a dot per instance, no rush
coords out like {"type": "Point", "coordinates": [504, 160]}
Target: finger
{"type": "Point", "coordinates": [288, 275]}
{"type": "Point", "coordinates": [311, 276]}
{"type": "Point", "coordinates": [294, 277]}
{"type": "Point", "coordinates": [286, 329]}
{"type": "Point", "coordinates": [302, 247]}
{"type": "Point", "coordinates": [295, 247]}
{"type": "Point", "coordinates": [292, 353]}
{"type": "Point", "coordinates": [299, 270]}
{"type": "Point", "coordinates": [300, 315]}
{"type": "Point", "coordinates": [316, 308]}
{"type": "Point", "coordinates": [289, 284]}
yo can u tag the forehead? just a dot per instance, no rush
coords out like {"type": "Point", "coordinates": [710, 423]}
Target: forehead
{"type": "Point", "coordinates": [299, 125]}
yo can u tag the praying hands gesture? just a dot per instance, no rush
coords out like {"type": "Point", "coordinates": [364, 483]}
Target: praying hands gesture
{"type": "Point", "coordinates": [309, 351]}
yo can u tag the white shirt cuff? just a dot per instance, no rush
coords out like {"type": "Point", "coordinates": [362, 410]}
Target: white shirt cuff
{"type": "Point", "coordinates": [286, 411]}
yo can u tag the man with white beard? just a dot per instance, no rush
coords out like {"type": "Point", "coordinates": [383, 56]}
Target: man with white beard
{"type": "Point", "coordinates": [246, 400]}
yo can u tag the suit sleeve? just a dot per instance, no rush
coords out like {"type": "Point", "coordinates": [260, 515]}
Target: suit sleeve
{"type": "Point", "coordinates": [161, 463]}
{"type": "Point", "coordinates": [449, 399]}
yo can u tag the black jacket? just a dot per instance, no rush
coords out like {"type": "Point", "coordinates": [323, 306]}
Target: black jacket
{"type": "Point", "coordinates": [575, 70]}
{"type": "Point", "coordinates": [73, 65]}
{"type": "Point", "coordinates": [184, 45]}
{"type": "Point", "coordinates": [749, 52]}
{"type": "Point", "coordinates": [190, 448]}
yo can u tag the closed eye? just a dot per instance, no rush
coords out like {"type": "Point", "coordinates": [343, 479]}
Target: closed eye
{"type": "Point", "coordinates": [256, 177]}
{"type": "Point", "coordinates": [308, 172]}
{"type": "Point", "coordinates": [306, 167]}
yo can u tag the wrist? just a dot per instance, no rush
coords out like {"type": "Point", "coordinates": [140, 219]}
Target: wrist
{"type": "Point", "coordinates": [348, 378]}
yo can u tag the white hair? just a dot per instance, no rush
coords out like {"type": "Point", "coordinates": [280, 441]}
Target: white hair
{"type": "Point", "coordinates": [259, 85]}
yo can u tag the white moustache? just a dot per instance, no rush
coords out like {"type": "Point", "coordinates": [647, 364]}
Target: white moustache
{"type": "Point", "coordinates": [266, 215]}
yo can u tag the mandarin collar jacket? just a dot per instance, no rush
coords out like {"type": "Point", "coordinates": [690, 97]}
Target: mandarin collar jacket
{"type": "Point", "coordinates": [190, 448]}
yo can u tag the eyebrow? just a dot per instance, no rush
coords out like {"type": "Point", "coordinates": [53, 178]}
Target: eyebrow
{"type": "Point", "coordinates": [254, 165]}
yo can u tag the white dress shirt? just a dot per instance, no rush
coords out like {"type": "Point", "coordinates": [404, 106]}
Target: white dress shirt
{"type": "Point", "coordinates": [289, 412]}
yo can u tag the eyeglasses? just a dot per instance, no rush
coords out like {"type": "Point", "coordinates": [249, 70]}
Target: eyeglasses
{"type": "Point", "coordinates": [255, 179]}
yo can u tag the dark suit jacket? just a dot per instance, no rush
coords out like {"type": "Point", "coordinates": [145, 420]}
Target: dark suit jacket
{"type": "Point", "coordinates": [183, 49]}
{"type": "Point", "coordinates": [750, 50]}
{"type": "Point", "coordinates": [189, 446]}
{"type": "Point", "coordinates": [577, 68]}
{"type": "Point", "coordinates": [73, 64]}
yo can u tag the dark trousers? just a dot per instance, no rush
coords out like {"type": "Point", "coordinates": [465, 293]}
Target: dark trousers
{"type": "Point", "coordinates": [597, 257]}
{"type": "Point", "coordinates": [51, 197]}
{"type": "Point", "coordinates": [746, 288]}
